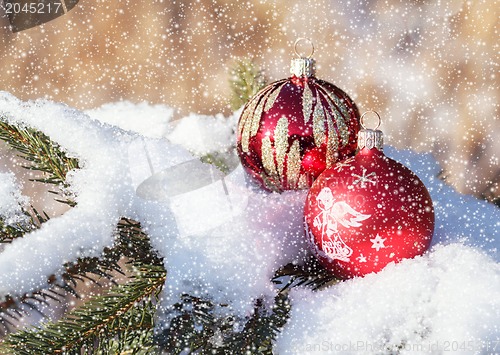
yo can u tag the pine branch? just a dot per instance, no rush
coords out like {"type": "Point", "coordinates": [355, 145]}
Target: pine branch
{"type": "Point", "coordinates": [216, 160]}
{"type": "Point", "coordinates": [131, 243]}
{"type": "Point", "coordinates": [245, 81]}
{"type": "Point", "coordinates": [32, 220]}
{"type": "Point", "coordinates": [123, 312]}
{"type": "Point", "coordinates": [42, 154]}
{"type": "Point", "coordinates": [310, 274]}
{"type": "Point", "coordinates": [9, 232]}
{"type": "Point", "coordinates": [262, 328]}
{"type": "Point", "coordinates": [197, 328]}
{"type": "Point", "coordinates": [135, 244]}
{"type": "Point", "coordinates": [194, 326]}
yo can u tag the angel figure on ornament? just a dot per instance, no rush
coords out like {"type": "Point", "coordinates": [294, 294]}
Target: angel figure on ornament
{"type": "Point", "coordinates": [332, 213]}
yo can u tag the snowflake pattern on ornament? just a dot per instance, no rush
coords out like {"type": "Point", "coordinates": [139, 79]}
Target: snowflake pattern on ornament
{"type": "Point", "coordinates": [365, 178]}
{"type": "Point", "coordinates": [344, 164]}
{"type": "Point", "coordinates": [327, 221]}
{"type": "Point", "coordinates": [378, 242]}
{"type": "Point", "coordinates": [361, 258]}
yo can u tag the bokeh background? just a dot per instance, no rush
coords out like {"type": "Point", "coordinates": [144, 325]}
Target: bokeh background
{"type": "Point", "coordinates": [430, 68]}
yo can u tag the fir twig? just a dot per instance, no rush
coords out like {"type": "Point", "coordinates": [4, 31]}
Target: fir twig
{"type": "Point", "coordinates": [246, 79]}
{"type": "Point", "coordinates": [217, 161]}
{"type": "Point", "coordinates": [31, 220]}
{"type": "Point", "coordinates": [131, 243]}
{"type": "Point", "coordinates": [262, 328]}
{"type": "Point", "coordinates": [9, 232]}
{"type": "Point", "coordinates": [42, 154]}
{"type": "Point", "coordinates": [121, 312]}
{"type": "Point", "coordinates": [310, 274]}
{"type": "Point", "coordinates": [197, 328]}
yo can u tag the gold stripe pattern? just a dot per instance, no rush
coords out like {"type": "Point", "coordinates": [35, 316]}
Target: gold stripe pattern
{"type": "Point", "coordinates": [307, 102]}
{"type": "Point", "coordinates": [303, 184]}
{"type": "Point", "coordinates": [318, 123]}
{"type": "Point", "coordinates": [268, 158]}
{"type": "Point", "coordinates": [332, 144]}
{"type": "Point", "coordinates": [275, 179]}
{"type": "Point", "coordinates": [293, 163]}
{"type": "Point", "coordinates": [252, 113]}
{"type": "Point", "coordinates": [273, 96]}
{"type": "Point", "coordinates": [341, 106]}
{"type": "Point", "coordinates": [342, 127]}
{"type": "Point", "coordinates": [257, 115]}
{"type": "Point", "coordinates": [340, 114]}
{"type": "Point", "coordinates": [281, 143]}
{"type": "Point", "coordinates": [244, 126]}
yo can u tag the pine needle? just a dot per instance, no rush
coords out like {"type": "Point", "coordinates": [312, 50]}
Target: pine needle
{"type": "Point", "coordinates": [246, 79]}
{"type": "Point", "coordinates": [125, 312]}
{"type": "Point", "coordinates": [42, 154]}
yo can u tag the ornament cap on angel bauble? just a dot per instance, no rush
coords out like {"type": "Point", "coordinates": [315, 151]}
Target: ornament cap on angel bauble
{"type": "Point", "coordinates": [367, 211]}
{"type": "Point", "coordinates": [294, 128]}
{"type": "Point", "coordinates": [370, 138]}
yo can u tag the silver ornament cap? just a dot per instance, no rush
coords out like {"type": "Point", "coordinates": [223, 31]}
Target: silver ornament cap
{"type": "Point", "coordinates": [370, 138]}
{"type": "Point", "coordinates": [303, 65]}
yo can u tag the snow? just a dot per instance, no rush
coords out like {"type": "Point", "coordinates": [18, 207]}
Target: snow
{"type": "Point", "coordinates": [447, 300]}
{"type": "Point", "coordinates": [222, 238]}
{"type": "Point", "coordinates": [12, 200]}
{"type": "Point", "coordinates": [148, 120]}
{"type": "Point", "coordinates": [205, 134]}
{"type": "Point", "coordinates": [102, 188]}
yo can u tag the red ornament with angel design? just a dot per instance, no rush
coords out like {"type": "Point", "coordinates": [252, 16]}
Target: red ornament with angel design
{"type": "Point", "coordinates": [367, 211]}
{"type": "Point", "coordinates": [294, 128]}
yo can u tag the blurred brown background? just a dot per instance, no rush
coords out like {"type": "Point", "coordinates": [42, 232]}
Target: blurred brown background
{"type": "Point", "coordinates": [430, 68]}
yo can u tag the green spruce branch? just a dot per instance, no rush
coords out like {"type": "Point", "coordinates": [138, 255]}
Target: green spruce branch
{"type": "Point", "coordinates": [32, 220]}
{"type": "Point", "coordinates": [131, 243]}
{"type": "Point", "coordinates": [309, 274]}
{"type": "Point", "coordinates": [9, 232]}
{"type": "Point", "coordinates": [246, 79]}
{"type": "Point", "coordinates": [194, 326]}
{"type": "Point", "coordinates": [197, 327]}
{"type": "Point", "coordinates": [42, 155]}
{"type": "Point", "coordinates": [121, 320]}
{"type": "Point", "coordinates": [121, 314]}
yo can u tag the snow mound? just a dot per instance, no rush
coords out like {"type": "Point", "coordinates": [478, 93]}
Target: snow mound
{"type": "Point", "coordinates": [11, 199]}
{"type": "Point", "coordinates": [205, 134]}
{"type": "Point", "coordinates": [148, 120]}
{"type": "Point", "coordinates": [445, 301]}
{"type": "Point", "coordinates": [102, 190]}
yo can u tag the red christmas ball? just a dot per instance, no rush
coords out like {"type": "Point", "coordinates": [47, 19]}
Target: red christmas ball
{"type": "Point", "coordinates": [367, 211]}
{"type": "Point", "coordinates": [294, 128]}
